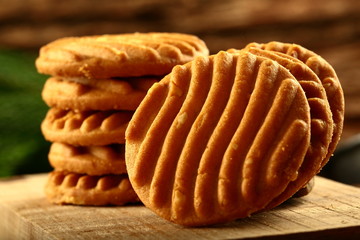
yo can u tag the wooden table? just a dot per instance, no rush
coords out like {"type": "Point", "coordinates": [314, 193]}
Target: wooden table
{"type": "Point", "coordinates": [330, 211]}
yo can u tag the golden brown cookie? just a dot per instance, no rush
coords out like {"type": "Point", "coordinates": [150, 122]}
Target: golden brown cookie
{"type": "Point", "coordinates": [90, 160]}
{"type": "Point", "coordinates": [321, 119]}
{"type": "Point", "coordinates": [331, 85]}
{"type": "Point", "coordinates": [326, 74]}
{"type": "Point", "coordinates": [105, 94]}
{"type": "Point", "coordinates": [122, 55]}
{"type": "Point", "coordinates": [91, 128]}
{"type": "Point", "coordinates": [80, 189]}
{"type": "Point", "coordinates": [218, 138]}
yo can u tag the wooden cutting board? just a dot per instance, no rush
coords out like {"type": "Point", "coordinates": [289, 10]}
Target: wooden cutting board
{"type": "Point", "coordinates": [330, 211]}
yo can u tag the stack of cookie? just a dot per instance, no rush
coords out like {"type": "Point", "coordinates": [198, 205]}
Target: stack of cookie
{"type": "Point", "coordinates": [235, 133]}
{"type": "Point", "coordinates": [96, 84]}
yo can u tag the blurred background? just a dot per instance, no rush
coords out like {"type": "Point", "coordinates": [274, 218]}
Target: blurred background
{"type": "Point", "coordinates": [329, 27]}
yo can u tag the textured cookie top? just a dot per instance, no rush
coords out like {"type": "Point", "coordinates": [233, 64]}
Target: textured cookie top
{"type": "Point", "coordinates": [321, 119]}
{"type": "Point", "coordinates": [121, 55]}
{"type": "Point", "coordinates": [85, 128]}
{"type": "Point", "coordinates": [218, 138]}
{"type": "Point", "coordinates": [72, 188]}
{"type": "Point", "coordinates": [327, 76]}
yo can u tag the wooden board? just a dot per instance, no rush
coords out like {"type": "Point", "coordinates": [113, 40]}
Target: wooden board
{"type": "Point", "coordinates": [332, 210]}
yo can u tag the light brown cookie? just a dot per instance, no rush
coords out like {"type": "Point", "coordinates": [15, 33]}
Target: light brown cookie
{"type": "Point", "coordinates": [321, 119]}
{"type": "Point", "coordinates": [218, 138]}
{"type": "Point", "coordinates": [327, 76]}
{"type": "Point", "coordinates": [331, 85]}
{"type": "Point", "coordinates": [79, 189]}
{"type": "Point", "coordinates": [90, 160]}
{"type": "Point", "coordinates": [122, 55]}
{"type": "Point", "coordinates": [104, 94]}
{"type": "Point", "coordinates": [91, 128]}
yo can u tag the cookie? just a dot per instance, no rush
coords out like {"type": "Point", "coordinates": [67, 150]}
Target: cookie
{"type": "Point", "coordinates": [326, 74]}
{"type": "Point", "coordinates": [331, 85]}
{"type": "Point", "coordinates": [321, 119]}
{"type": "Point", "coordinates": [105, 94]}
{"type": "Point", "coordinates": [97, 82]}
{"type": "Point", "coordinates": [80, 189]}
{"type": "Point", "coordinates": [218, 138]}
{"type": "Point", "coordinates": [91, 128]}
{"type": "Point", "coordinates": [121, 55]}
{"type": "Point", "coordinates": [306, 189]}
{"type": "Point", "coordinates": [90, 160]}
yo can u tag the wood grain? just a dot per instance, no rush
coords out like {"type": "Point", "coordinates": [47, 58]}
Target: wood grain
{"type": "Point", "coordinates": [330, 211]}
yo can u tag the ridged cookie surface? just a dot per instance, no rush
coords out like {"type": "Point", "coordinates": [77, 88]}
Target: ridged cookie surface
{"type": "Point", "coordinates": [321, 119]}
{"type": "Point", "coordinates": [218, 138]}
{"type": "Point", "coordinates": [330, 82]}
{"type": "Point", "coordinates": [327, 76]}
{"type": "Point", "coordinates": [122, 55]}
{"type": "Point", "coordinates": [90, 94]}
{"type": "Point", "coordinates": [85, 128]}
{"type": "Point", "coordinates": [90, 160]}
{"type": "Point", "coordinates": [80, 189]}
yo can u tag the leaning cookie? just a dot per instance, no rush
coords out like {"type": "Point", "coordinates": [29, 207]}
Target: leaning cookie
{"type": "Point", "coordinates": [321, 118]}
{"type": "Point", "coordinates": [80, 189]}
{"type": "Point", "coordinates": [327, 76]}
{"type": "Point", "coordinates": [121, 55]}
{"type": "Point", "coordinates": [332, 88]}
{"type": "Point", "coordinates": [218, 139]}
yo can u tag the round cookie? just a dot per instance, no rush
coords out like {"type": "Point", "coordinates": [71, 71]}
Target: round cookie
{"type": "Point", "coordinates": [326, 74]}
{"type": "Point", "coordinates": [80, 189]}
{"type": "Point", "coordinates": [321, 119]}
{"type": "Point", "coordinates": [91, 94]}
{"type": "Point", "coordinates": [218, 139]}
{"type": "Point", "coordinates": [90, 160]}
{"type": "Point", "coordinates": [121, 55]}
{"type": "Point", "coordinates": [91, 128]}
